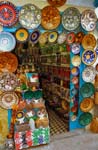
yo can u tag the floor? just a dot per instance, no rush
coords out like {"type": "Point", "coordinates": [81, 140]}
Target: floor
{"type": "Point", "coordinates": [57, 126]}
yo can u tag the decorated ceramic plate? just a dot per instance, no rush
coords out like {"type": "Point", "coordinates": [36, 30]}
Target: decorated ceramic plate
{"type": "Point", "coordinates": [89, 41]}
{"type": "Point", "coordinates": [70, 37]}
{"type": "Point", "coordinates": [87, 104]}
{"type": "Point", "coordinates": [89, 74]}
{"type": "Point", "coordinates": [61, 38]}
{"type": "Point", "coordinates": [22, 35]}
{"type": "Point", "coordinates": [50, 17]}
{"type": "Point", "coordinates": [8, 81]}
{"type": "Point", "coordinates": [34, 36]}
{"type": "Point", "coordinates": [8, 13]}
{"type": "Point", "coordinates": [30, 16]}
{"type": "Point", "coordinates": [71, 18]}
{"type": "Point", "coordinates": [43, 38]}
{"type": "Point", "coordinates": [87, 90]}
{"type": "Point", "coordinates": [52, 37]}
{"type": "Point", "coordinates": [76, 60]}
{"type": "Point", "coordinates": [85, 118]}
{"type": "Point", "coordinates": [89, 57]}
{"type": "Point", "coordinates": [88, 20]}
{"type": "Point", "coordinates": [8, 62]}
{"type": "Point", "coordinates": [56, 3]}
{"type": "Point", "coordinates": [75, 80]}
{"type": "Point", "coordinates": [75, 71]}
{"type": "Point", "coordinates": [79, 37]}
{"type": "Point", "coordinates": [8, 99]}
{"type": "Point", "coordinates": [75, 48]}
{"type": "Point", "coordinates": [7, 42]}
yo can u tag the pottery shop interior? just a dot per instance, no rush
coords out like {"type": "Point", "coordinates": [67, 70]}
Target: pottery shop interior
{"type": "Point", "coordinates": [48, 71]}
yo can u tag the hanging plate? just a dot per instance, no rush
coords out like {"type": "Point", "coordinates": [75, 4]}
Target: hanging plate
{"type": "Point", "coordinates": [75, 71]}
{"type": "Point", "coordinates": [8, 81]}
{"type": "Point", "coordinates": [8, 13]}
{"type": "Point", "coordinates": [8, 99]}
{"type": "Point", "coordinates": [75, 48]}
{"type": "Point", "coordinates": [86, 105]}
{"type": "Point", "coordinates": [89, 74]}
{"type": "Point", "coordinates": [8, 62]}
{"type": "Point", "coordinates": [89, 57]}
{"type": "Point", "coordinates": [7, 42]}
{"type": "Point", "coordinates": [79, 36]}
{"type": "Point", "coordinates": [76, 60]}
{"type": "Point", "coordinates": [70, 37]}
{"type": "Point", "coordinates": [85, 118]}
{"type": "Point", "coordinates": [88, 20]}
{"type": "Point", "coordinates": [34, 36]}
{"type": "Point", "coordinates": [56, 3]}
{"type": "Point", "coordinates": [52, 37]}
{"type": "Point", "coordinates": [30, 16]}
{"type": "Point", "coordinates": [22, 35]}
{"type": "Point", "coordinates": [71, 18]}
{"type": "Point", "coordinates": [87, 90]}
{"type": "Point", "coordinates": [89, 41]}
{"type": "Point", "coordinates": [50, 17]}
{"type": "Point", "coordinates": [43, 39]}
{"type": "Point", "coordinates": [61, 38]}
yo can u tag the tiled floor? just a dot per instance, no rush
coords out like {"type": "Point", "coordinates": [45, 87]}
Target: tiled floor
{"type": "Point", "coordinates": [57, 126]}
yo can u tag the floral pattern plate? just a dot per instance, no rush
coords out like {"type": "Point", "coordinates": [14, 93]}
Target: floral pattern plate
{"type": "Point", "coordinates": [8, 99]}
{"type": "Point", "coordinates": [88, 20]}
{"type": "Point", "coordinates": [8, 81]}
{"type": "Point", "coordinates": [89, 57]}
{"type": "Point", "coordinates": [89, 74]}
{"type": "Point", "coordinates": [30, 16]}
{"type": "Point", "coordinates": [71, 18]}
{"type": "Point", "coordinates": [8, 13]}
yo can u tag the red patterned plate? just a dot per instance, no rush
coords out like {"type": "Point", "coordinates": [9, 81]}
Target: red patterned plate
{"type": "Point", "coordinates": [8, 13]}
{"type": "Point", "coordinates": [56, 3]}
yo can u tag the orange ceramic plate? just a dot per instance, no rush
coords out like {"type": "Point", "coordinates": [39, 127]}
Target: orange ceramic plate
{"type": "Point", "coordinates": [50, 17]}
{"type": "Point", "coordinates": [56, 3]}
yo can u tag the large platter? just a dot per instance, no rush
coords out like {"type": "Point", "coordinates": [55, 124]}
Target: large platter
{"type": "Point", "coordinates": [8, 99]}
{"type": "Point", "coordinates": [88, 20]}
{"type": "Point", "coordinates": [89, 74]}
{"type": "Point", "coordinates": [89, 57]}
{"type": "Point", "coordinates": [8, 62]}
{"type": "Point", "coordinates": [50, 17]}
{"type": "Point", "coordinates": [87, 104]}
{"type": "Point", "coordinates": [30, 16]}
{"type": "Point", "coordinates": [8, 81]}
{"type": "Point", "coordinates": [89, 41]}
{"type": "Point", "coordinates": [7, 42]}
{"type": "Point", "coordinates": [8, 13]}
{"type": "Point", "coordinates": [71, 18]}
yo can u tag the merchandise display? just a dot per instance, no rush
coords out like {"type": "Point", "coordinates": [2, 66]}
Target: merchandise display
{"type": "Point", "coordinates": [48, 63]}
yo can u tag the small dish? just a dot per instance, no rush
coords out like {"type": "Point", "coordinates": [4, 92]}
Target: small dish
{"type": "Point", "coordinates": [76, 60]}
{"type": "Point", "coordinates": [75, 48]}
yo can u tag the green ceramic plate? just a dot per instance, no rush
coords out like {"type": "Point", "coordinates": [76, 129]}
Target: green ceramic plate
{"type": "Point", "coordinates": [85, 118]}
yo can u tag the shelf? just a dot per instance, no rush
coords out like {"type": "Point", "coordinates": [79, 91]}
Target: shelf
{"type": "Point", "coordinates": [55, 65]}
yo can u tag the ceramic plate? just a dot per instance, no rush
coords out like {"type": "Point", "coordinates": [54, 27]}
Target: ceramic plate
{"type": "Point", "coordinates": [8, 13]}
{"type": "Point", "coordinates": [76, 60]}
{"type": "Point", "coordinates": [22, 35]}
{"type": "Point", "coordinates": [8, 62]}
{"type": "Point", "coordinates": [34, 36]}
{"type": "Point", "coordinates": [89, 57]}
{"type": "Point", "coordinates": [30, 16]}
{"type": "Point", "coordinates": [75, 71]}
{"type": "Point", "coordinates": [52, 37]}
{"type": "Point", "coordinates": [85, 118]}
{"type": "Point", "coordinates": [89, 74]}
{"type": "Point", "coordinates": [50, 17]}
{"type": "Point", "coordinates": [8, 81]}
{"type": "Point", "coordinates": [75, 48]}
{"type": "Point", "coordinates": [61, 38]}
{"type": "Point", "coordinates": [79, 37]}
{"type": "Point", "coordinates": [7, 42]}
{"type": "Point", "coordinates": [89, 41]}
{"type": "Point", "coordinates": [70, 37]}
{"type": "Point", "coordinates": [43, 38]}
{"type": "Point", "coordinates": [88, 20]}
{"type": "Point", "coordinates": [87, 90]}
{"type": "Point", "coordinates": [56, 3]}
{"type": "Point", "coordinates": [71, 18]}
{"type": "Point", "coordinates": [8, 99]}
{"type": "Point", "coordinates": [87, 104]}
